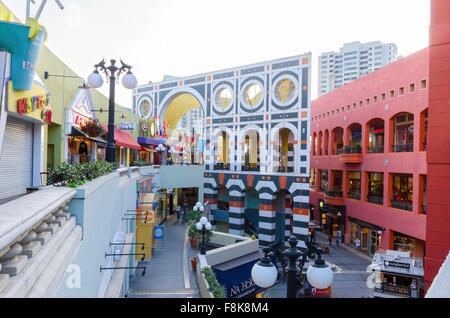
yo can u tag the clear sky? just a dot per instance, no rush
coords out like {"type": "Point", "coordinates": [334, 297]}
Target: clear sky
{"type": "Point", "coordinates": [187, 37]}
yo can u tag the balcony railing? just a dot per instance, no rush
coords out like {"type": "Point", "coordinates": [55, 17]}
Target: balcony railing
{"type": "Point", "coordinates": [403, 205]}
{"type": "Point", "coordinates": [354, 195]}
{"type": "Point", "coordinates": [334, 193]}
{"type": "Point", "coordinates": [375, 149]}
{"type": "Point", "coordinates": [250, 168]}
{"type": "Point", "coordinates": [375, 199]}
{"type": "Point", "coordinates": [285, 169]}
{"type": "Point", "coordinates": [402, 148]}
{"type": "Point", "coordinates": [222, 166]}
{"type": "Point", "coordinates": [348, 150]}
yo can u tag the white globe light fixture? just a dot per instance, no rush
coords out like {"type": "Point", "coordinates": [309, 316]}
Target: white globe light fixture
{"type": "Point", "coordinates": [208, 226]}
{"type": "Point", "coordinates": [198, 204]}
{"type": "Point", "coordinates": [195, 208]}
{"type": "Point", "coordinates": [319, 274]}
{"type": "Point", "coordinates": [129, 80]}
{"type": "Point", "coordinates": [199, 226]}
{"type": "Point", "coordinates": [202, 208]}
{"type": "Point", "coordinates": [95, 80]}
{"type": "Point", "coordinates": [203, 219]}
{"type": "Point", "coordinates": [264, 273]}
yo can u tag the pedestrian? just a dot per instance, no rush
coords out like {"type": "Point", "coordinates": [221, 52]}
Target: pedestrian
{"type": "Point", "coordinates": [330, 239]}
{"type": "Point", "coordinates": [338, 237]}
{"type": "Point", "coordinates": [178, 210]}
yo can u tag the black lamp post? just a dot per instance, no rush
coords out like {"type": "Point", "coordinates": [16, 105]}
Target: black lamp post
{"type": "Point", "coordinates": [292, 254]}
{"type": "Point", "coordinates": [112, 73]}
{"type": "Point", "coordinates": [203, 225]}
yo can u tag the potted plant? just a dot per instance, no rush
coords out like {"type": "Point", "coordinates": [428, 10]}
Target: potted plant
{"type": "Point", "coordinates": [94, 128]}
{"type": "Point", "coordinates": [193, 235]}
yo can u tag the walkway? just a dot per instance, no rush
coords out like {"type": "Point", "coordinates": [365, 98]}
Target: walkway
{"type": "Point", "coordinates": [350, 276]}
{"type": "Point", "coordinates": [169, 273]}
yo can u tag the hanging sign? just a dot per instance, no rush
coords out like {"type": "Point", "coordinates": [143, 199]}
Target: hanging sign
{"type": "Point", "coordinates": [130, 126]}
{"type": "Point", "coordinates": [80, 110]}
{"type": "Point", "coordinates": [159, 232]}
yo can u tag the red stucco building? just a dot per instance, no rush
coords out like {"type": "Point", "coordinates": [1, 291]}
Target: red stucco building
{"type": "Point", "coordinates": [369, 158]}
{"type": "Point", "coordinates": [438, 155]}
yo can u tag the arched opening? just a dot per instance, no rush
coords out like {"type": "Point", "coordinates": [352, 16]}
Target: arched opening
{"type": "Point", "coordinates": [423, 130]}
{"type": "Point", "coordinates": [284, 151]}
{"type": "Point", "coordinates": [375, 128]}
{"type": "Point", "coordinates": [326, 137]}
{"type": "Point", "coordinates": [337, 139]}
{"type": "Point", "coordinates": [182, 123]}
{"type": "Point", "coordinates": [251, 151]}
{"type": "Point", "coordinates": [283, 216]}
{"type": "Point", "coordinates": [354, 135]}
{"type": "Point", "coordinates": [221, 214]}
{"type": "Point", "coordinates": [403, 132]}
{"type": "Point", "coordinates": [314, 144]}
{"type": "Point", "coordinates": [222, 151]}
{"type": "Point", "coordinates": [319, 144]}
{"type": "Point", "coordinates": [251, 212]}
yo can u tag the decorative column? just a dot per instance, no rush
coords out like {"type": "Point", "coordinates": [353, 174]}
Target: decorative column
{"type": "Point", "coordinates": [236, 213]}
{"type": "Point", "coordinates": [288, 218]}
{"type": "Point", "coordinates": [300, 210]}
{"type": "Point", "coordinates": [267, 217]}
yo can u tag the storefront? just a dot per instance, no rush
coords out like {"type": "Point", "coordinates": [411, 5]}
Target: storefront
{"type": "Point", "coordinates": [127, 149]}
{"type": "Point", "coordinates": [80, 145]}
{"type": "Point", "coordinates": [332, 218]}
{"type": "Point", "coordinates": [22, 151]}
{"type": "Point", "coordinates": [408, 244]}
{"type": "Point", "coordinates": [364, 236]}
{"type": "Point", "coordinates": [397, 275]}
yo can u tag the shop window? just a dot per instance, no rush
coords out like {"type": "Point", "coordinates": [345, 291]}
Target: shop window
{"type": "Point", "coordinates": [403, 132]}
{"type": "Point", "coordinates": [323, 180]}
{"type": "Point", "coordinates": [354, 185]}
{"type": "Point", "coordinates": [404, 243]}
{"type": "Point", "coordinates": [312, 179]}
{"type": "Point", "coordinates": [376, 186]}
{"type": "Point", "coordinates": [423, 185]}
{"type": "Point", "coordinates": [402, 191]}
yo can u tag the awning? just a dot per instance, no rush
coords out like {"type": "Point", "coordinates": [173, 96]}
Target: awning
{"type": "Point", "coordinates": [148, 149]}
{"type": "Point", "coordinates": [146, 141]}
{"type": "Point", "coordinates": [124, 139]}
{"type": "Point", "coordinates": [77, 132]}
{"type": "Point", "coordinates": [365, 224]}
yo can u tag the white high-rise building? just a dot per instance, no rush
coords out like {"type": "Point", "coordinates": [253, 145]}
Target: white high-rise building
{"type": "Point", "coordinates": [354, 60]}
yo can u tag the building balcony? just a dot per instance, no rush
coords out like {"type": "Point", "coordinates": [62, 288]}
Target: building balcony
{"type": "Point", "coordinates": [350, 155]}
{"type": "Point", "coordinates": [403, 148]}
{"type": "Point", "coordinates": [334, 197]}
{"type": "Point", "coordinates": [403, 205]}
{"type": "Point", "coordinates": [250, 167]}
{"type": "Point", "coordinates": [284, 169]}
{"type": "Point", "coordinates": [354, 195]}
{"type": "Point", "coordinates": [375, 199]}
{"type": "Point", "coordinates": [222, 166]}
{"type": "Point", "coordinates": [375, 149]}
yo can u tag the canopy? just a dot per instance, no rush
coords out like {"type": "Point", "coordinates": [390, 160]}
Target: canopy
{"type": "Point", "coordinates": [77, 132]}
{"type": "Point", "coordinates": [150, 141]}
{"type": "Point", "coordinates": [124, 139]}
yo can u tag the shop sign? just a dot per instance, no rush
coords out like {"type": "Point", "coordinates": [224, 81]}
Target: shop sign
{"type": "Point", "coordinates": [80, 111]}
{"type": "Point", "coordinates": [397, 265]}
{"type": "Point", "coordinates": [159, 232]}
{"type": "Point", "coordinates": [34, 103]}
{"type": "Point", "coordinates": [130, 126]}
{"type": "Point", "coordinates": [320, 292]}
{"type": "Point", "coordinates": [24, 42]}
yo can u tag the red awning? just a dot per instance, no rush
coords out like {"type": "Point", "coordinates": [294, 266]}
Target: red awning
{"type": "Point", "coordinates": [124, 139]}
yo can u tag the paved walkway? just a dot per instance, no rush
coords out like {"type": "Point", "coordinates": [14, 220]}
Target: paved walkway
{"type": "Point", "coordinates": [169, 273]}
{"type": "Point", "coordinates": [349, 269]}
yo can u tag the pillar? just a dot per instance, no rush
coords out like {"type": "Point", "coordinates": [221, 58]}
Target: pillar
{"type": "Point", "coordinates": [267, 217]}
{"type": "Point", "coordinates": [236, 220]}
{"type": "Point", "coordinates": [288, 217]}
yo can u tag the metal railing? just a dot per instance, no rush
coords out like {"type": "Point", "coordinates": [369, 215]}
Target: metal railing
{"type": "Point", "coordinates": [403, 205]}
{"type": "Point", "coordinates": [334, 193]}
{"type": "Point", "coordinates": [375, 199]}
{"type": "Point", "coordinates": [222, 166]}
{"type": "Point", "coordinates": [285, 169]}
{"type": "Point", "coordinates": [375, 149]}
{"type": "Point", "coordinates": [250, 168]}
{"type": "Point", "coordinates": [354, 195]}
{"type": "Point", "coordinates": [348, 150]}
{"type": "Point", "coordinates": [402, 148]}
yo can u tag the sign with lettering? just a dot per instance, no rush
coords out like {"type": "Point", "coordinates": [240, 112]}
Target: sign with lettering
{"type": "Point", "coordinates": [80, 110]}
{"type": "Point", "coordinates": [34, 103]}
{"type": "Point", "coordinates": [130, 126]}
{"type": "Point", "coordinates": [397, 265]}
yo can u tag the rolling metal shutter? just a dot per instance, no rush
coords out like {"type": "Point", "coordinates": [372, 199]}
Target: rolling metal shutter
{"type": "Point", "coordinates": [16, 159]}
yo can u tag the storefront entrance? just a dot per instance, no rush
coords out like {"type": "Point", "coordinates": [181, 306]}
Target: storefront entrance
{"type": "Point", "coordinates": [364, 236]}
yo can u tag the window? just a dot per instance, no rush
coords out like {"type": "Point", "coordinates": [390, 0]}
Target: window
{"type": "Point", "coordinates": [391, 94]}
{"type": "Point", "coordinates": [402, 191]}
{"type": "Point", "coordinates": [323, 180]}
{"type": "Point", "coordinates": [411, 88]}
{"type": "Point", "coordinates": [348, 107]}
{"type": "Point", "coordinates": [401, 91]}
{"type": "Point", "coordinates": [354, 105]}
{"type": "Point", "coordinates": [354, 185]}
{"type": "Point", "coordinates": [375, 184]}
{"type": "Point", "coordinates": [423, 84]}
{"type": "Point", "coordinates": [383, 96]}
{"type": "Point", "coordinates": [360, 103]}
{"type": "Point", "coordinates": [367, 101]}
{"type": "Point", "coordinates": [403, 132]}
{"type": "Point", "coordinates": [312, 179]}
{"type": "Point", "coordinates": [375, 99]}
{"type": "Point", "coordinates": [404, 243]}
{"type": "Point", "coordinates": [423, 184]}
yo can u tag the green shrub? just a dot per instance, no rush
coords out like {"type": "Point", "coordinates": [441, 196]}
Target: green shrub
{"type": "Point", "coordinates": [77, 174]}
{"type": "Point", "coordinates": [214, 286]}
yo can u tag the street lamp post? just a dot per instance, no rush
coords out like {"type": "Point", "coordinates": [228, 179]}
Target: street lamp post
{"type": "Point", "coordinates": [319, 274]}
{"type": "Point", "coordinates": [112, 73]}
{"type": "Point", "coordinates": [203, 225]}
